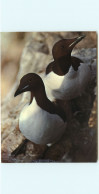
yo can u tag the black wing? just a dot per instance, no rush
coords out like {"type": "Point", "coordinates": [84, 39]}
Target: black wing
{"type": "Point", "coordinates": [49, 68]}
{"type": "Point", "coordinates": [76, 62]}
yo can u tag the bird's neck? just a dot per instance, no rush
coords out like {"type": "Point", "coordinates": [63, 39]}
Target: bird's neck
{"type": "Point", "coordinates": [61, 66]}
{"type": "Point", "coordinates": [44, 103]}
{"type": "Point", "coordinates": [40, 96]}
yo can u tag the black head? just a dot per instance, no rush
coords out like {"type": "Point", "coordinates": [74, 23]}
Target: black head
{"type": "Point", "coordinates": [29, 82]}
{"type": "Point", "coordinates": [65, 46]}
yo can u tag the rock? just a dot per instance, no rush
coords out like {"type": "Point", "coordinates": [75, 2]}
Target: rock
{"type": "Point", "coordinates": [93, 116]}
{"type": "Point", "coordinates": [79, 143]}
{"type": "Point", "coordinates": [32, 61]}
{"type": "Point", "coordinates": [11, 143]}
{"type": "Point", "coordinates": [31, 154]}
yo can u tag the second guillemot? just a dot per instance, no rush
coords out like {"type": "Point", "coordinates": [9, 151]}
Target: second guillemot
{"type": "Point", "coordinates": [67, 76]}
{"type": "Point", "coordinates": [40, 121]}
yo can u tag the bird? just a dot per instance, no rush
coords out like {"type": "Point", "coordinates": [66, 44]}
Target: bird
{"type": "Point", "coordinates": [40, 121]}
{"type": "Point", "coordinates": [67, 76]}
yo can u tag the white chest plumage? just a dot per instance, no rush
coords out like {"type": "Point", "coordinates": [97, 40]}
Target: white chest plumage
{"type": "Point", "coordinates": [68, 86]}
{"type": "Point", "coordinates": [39, 126]}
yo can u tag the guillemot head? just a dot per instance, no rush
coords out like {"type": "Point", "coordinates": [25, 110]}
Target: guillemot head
{"type": "Point", "coordinates": [29, 82]}
{"type": "Point", "coordinates": [65, 46]}
{"type": "Point", "coordinates": [33, 83]}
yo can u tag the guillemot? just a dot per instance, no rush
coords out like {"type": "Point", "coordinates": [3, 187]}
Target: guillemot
{"type": "Point", "coordinates": [67, 76]}
{"type": "Point", "coordinates": [40, 121]}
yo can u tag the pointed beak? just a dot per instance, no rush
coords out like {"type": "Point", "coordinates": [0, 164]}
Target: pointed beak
{"type": "Point", "coordinates": [75, 41]}
{"type": "Point", "coordinates": [21, 90]}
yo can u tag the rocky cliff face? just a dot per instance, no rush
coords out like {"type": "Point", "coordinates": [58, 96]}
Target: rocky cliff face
{"type": "Point", "coordinates": [79, 143]}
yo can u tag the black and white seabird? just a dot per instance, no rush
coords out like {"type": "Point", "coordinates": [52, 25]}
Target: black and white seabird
{"type": "Point", "coordinates": [67, 76]}
{"type": "Point", "coordinates": [40, 121]}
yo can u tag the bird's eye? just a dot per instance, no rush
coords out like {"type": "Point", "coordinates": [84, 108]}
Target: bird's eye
{"type": "Point", "coordinates": [30, 80]}
{"type": "Point", "coordinates": [62, 46]}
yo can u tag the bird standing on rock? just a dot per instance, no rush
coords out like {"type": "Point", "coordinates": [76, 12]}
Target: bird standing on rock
{"type": "Point", "coordinates": [40, 121]}
{"type": "Point", "coordinates": [67, 76]}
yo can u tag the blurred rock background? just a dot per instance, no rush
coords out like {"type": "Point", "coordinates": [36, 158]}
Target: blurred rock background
{"type": "Point", "coordinates": [23, 52]}
{"type": "Point", "coordinates": [12, 44]}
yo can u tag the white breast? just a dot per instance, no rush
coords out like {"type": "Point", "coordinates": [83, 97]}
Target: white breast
{"type": "Point", "coordinates": [53, 83]}
{"type": "Point", "coordinates": [39, 126]}
{"type": "Point", "coordinates": [69, 86]}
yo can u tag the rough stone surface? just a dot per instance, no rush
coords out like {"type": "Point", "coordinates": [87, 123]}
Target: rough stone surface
{"type": "Point", "coordinates": [79, 143]}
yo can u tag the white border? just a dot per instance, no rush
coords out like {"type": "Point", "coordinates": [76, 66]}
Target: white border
{"type": "Point", "coordinates": [50, 178]}
{"type": "Point", "coordinates": [53, 15]}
